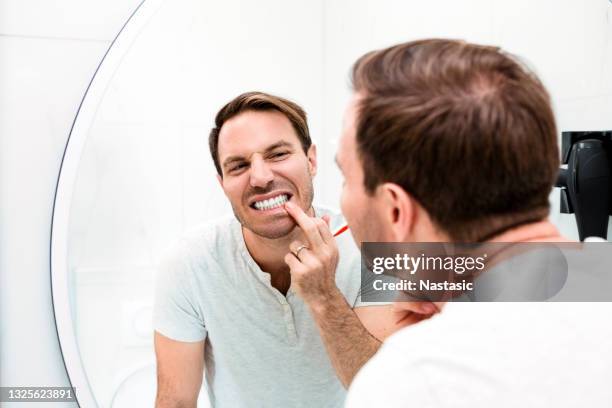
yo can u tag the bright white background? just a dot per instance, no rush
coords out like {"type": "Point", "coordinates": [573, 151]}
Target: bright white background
{"type": "Point", "coordinates": [50, 49]}
{"type": "Point", "coordinates": [48, 52]}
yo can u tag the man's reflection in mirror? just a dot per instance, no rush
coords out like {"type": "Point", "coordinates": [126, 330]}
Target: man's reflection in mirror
{"type": "Point", "coordinates": [265, 303]}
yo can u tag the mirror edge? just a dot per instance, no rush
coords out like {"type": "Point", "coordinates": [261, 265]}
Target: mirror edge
{"type": "Point", "coordinates": [58, 263]}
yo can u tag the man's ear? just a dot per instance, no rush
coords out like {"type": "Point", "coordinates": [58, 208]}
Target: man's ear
{"type": "Point", "coordinates": [312, 159]}
{"type": "Point", "coordinates": [220, 180]}
{"type": "Point", "coordinates": [398, 207]}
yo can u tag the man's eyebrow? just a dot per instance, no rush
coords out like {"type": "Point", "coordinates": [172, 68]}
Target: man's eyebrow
{"type": "Point", "coordinates": [274, 146]}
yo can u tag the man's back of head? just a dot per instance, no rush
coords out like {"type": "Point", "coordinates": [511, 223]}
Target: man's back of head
{"type": "Point", "coordinates": [468, 134]}
{"type": "Point", "coordinates": [467, 130]}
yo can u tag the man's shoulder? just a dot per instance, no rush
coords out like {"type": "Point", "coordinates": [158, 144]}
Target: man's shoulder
{"type": "Point", "coordinates": [488, 343]}
{"type": "Point", "coordinates": [204, 240]}
{"type": "Point", "coordinates": [218, 228]}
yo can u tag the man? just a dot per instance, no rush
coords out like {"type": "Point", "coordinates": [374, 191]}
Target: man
{"type": "Point", "coordinates": [226, 300]}
{"type": "Point", "coordinates": [446, 141]}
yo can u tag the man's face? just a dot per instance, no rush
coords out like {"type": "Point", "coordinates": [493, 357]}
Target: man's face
{"type": "Point", "coordinates": [264, 165]}
{"type": "Point", "coordinates": [362, 211]}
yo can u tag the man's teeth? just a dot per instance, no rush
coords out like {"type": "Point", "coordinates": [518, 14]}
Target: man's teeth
{"type": "Point", "coordinates": [272, 202]}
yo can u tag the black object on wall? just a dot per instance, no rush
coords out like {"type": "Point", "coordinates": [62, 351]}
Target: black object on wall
{"type": "Point", "coordinates": [586, 183]}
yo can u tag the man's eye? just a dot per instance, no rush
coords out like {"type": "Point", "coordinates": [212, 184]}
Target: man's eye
{"type": "Point", "coordinates": [238, 167]}
{"type": "Point", "coordinates": [279, 155]}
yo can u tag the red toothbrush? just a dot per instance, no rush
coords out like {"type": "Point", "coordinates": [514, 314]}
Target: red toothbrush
{"type": "Point", "coordinates": [341, 230]}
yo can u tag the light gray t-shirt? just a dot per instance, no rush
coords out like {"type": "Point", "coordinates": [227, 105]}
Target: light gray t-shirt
{"type": "Point", "coordinates": [494, 354]}
{"type": "Point", "coordinates": [262, 349]}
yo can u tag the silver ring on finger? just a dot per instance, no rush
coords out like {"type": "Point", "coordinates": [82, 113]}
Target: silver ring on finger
{"type": "Point", "coordinates": [298, 249]}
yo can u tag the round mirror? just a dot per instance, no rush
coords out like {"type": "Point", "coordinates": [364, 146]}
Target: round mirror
{"type": "Point", "coordinates": [137, 171]}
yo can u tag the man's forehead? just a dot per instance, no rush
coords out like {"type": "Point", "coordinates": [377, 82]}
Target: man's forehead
{"type": "Point", "coordinates": [350, 121]}
{"type": "Point", "coordinates": [255, 131]}
{"type": "Point", "coordinates": [241, 150]}
{"type": "Point", "coordinates": [353, 106]}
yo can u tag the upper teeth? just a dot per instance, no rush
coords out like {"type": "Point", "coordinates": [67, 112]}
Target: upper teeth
{"type": "Point", "coordinates": [271, 203]}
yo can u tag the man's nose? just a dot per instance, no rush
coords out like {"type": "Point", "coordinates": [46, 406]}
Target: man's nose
{"type": "Point", "coordinates": [261, 174]}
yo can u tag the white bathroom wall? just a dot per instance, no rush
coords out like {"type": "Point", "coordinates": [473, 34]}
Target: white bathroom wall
{"type": "Point", "coordinates": [48, 54]}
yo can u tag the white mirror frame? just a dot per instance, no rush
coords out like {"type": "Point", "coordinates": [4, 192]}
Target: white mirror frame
{"type": "Point", "coordinates": [85, 116]}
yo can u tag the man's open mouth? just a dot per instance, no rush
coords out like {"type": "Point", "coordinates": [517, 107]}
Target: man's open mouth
{"type": "Point", "coordinates": [271, 203]}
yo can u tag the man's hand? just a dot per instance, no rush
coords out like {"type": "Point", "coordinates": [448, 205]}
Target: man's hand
{"type": "Point", "coordinates": [312, 263]}
{"type": "Point", "coordinates": [407, 313]}
{"type": "Point", "coordinates": [385, 319]}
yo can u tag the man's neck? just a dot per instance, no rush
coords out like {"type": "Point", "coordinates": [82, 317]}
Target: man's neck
{"type": "Point", "coordinates": [269, 254]}
{"type": "Point", "coordinates": [540, 231]}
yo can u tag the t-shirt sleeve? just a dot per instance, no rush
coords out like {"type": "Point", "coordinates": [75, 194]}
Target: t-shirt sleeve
{"type": "Point", "coordinates": [175, 312]}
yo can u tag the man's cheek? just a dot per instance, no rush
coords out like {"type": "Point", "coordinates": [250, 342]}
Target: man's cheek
{"type": "Point", "coordinates": [343, 207]}
{"type": "Point", "coordinates": [348, 200]}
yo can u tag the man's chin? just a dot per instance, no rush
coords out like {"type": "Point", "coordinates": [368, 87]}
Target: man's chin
{"type": "Point", "coordinates": [273, 233]}
{"type": "Point", "coordinates": [273, 229]}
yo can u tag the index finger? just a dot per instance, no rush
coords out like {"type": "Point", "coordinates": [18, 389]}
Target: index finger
{"type": "Point", "coordinates": [306, 223]}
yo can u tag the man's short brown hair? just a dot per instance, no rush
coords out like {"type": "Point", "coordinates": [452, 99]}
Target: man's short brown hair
{"type": "Point", "coordinates": [467, 130]}
{"type": "Point", "coordinates": [259, 101]}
